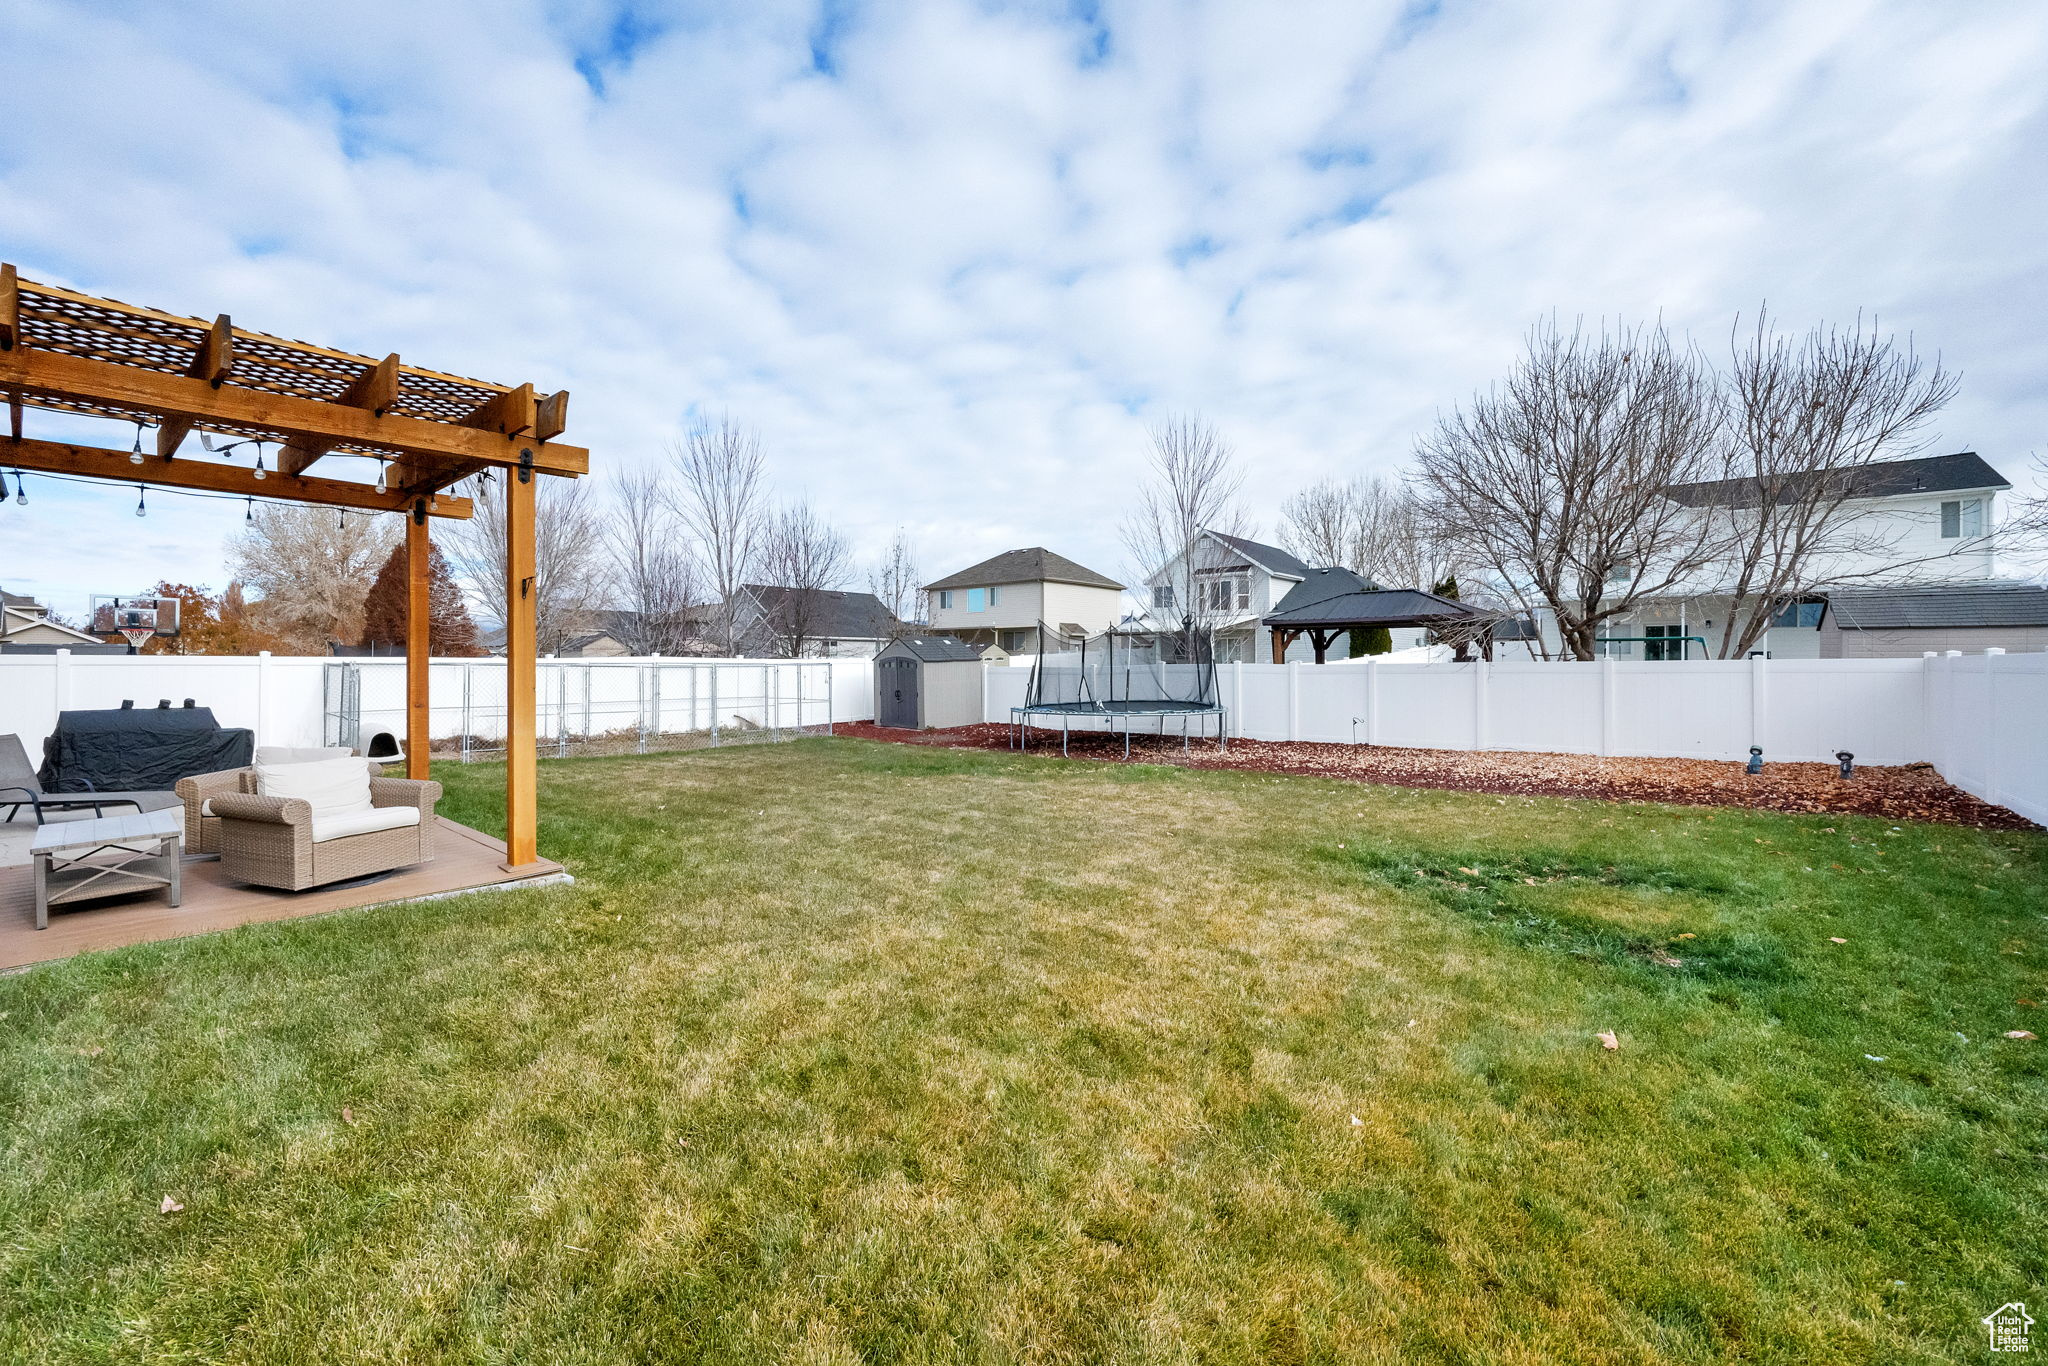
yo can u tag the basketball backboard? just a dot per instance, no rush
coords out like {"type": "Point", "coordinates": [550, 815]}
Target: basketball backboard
{"type": "Point", "coordinates": [134, 619]}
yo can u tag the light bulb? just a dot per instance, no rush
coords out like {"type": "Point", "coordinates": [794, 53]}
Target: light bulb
{"type": "Point", "coordinates": [380, 477]}
{"type": "Point", "coordinates": [20, 489]}
{"type": "Point", "coordinates": [140, 510]}
{"type": "Point", "coordinates": [261, 473]}
{"type": "Point", "coordinates": [249, 514]}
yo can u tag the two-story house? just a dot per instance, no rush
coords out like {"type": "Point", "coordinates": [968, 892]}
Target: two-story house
{"type": "Point", "coordinates": [1230, 587]}
{"type": "Point", "coordinates": [1002, 600]}
{"type": "Point", "coordinates": [1913, 528]}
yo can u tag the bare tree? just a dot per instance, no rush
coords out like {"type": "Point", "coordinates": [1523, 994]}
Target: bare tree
{"type": "Point", "coordinates": [1193, 488]}
{"type": "Point", "coordinates": [896, 581]}
{"type": "Point", "coordinates": [721, 499]}
{"type": "Point", "coordinates": [1555, 480]}
{"type": "Point", "coordinates": [1810, 416]}
{"type": "Point", "coordinates": [568, 555]}
{"type": "Point", "coordinates": [804, 560]}
{"type": "Point", "coordinates": [653, 572]}
{"type": "Point", "coordinates": [1354, 524]}
{"type": "Point", "coordinates": [311, 569]}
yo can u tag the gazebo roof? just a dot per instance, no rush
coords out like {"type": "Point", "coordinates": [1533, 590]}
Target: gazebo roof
{"type": "Point", "coordinates": [1336, 598]}
{"type": "Point", "coordinates": [71, 352]}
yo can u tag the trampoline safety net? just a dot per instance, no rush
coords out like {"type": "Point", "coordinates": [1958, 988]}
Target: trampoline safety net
{"type": "Point", "coordinates": [1122, 674]}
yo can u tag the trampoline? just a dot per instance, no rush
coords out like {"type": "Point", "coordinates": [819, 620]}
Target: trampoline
{"type": "Point", "coordinates": [1120, 678]}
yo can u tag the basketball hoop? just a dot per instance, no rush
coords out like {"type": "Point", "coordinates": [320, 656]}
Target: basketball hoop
{"type": "Point", "coordinates": [137, 636]}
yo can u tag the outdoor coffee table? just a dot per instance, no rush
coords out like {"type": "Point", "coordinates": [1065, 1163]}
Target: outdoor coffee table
{"type": "Point", "coordinates": [106, 856]}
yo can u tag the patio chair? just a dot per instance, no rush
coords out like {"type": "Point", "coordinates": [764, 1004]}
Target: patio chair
{"type": "Point", "coordinates": [202, 826]}
{"type": "Point", "coordinates": [19, 787]}
{"type": "Point", "coordinates": [324, 822]}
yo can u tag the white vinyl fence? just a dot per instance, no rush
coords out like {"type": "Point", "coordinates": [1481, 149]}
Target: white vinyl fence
{"type": "Point", "coordinates": [312, 701]}
{"type": "Point", "coordinates": [1982, 720]}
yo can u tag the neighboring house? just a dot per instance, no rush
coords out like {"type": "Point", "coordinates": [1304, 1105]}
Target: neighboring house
{"type": "Point", "coordinates": [1238, 583]}
{"type": "Point", "coordinates": [830, 622]}
{"type": "Point", "coordinates": [1925, 527]}
{"type": "Point", "coordinates": [24, 621]}
{"type": "Point", "coordinates": [1002, 600]}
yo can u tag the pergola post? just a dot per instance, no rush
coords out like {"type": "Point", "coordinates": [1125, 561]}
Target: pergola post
{"type": "Point", "coordinates": [522, 657]}
{"type": "Point", "coordinates": [418, 640]}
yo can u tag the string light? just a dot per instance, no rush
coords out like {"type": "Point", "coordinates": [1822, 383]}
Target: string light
{"type": "Point", "coordinates": [380, 477]}
{"type": "Point", "coordinates": [260, 472]}
{"type": "Point", "coordinates": [249, 514]}
{"type": "Point", "coordinates": [135, 456]}
{"type": "Point", "coordinates": [140, 509]}
{"type": "Point", "coordinates": [20, 489]}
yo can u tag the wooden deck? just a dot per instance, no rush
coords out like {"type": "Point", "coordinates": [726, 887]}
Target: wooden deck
{"type": "Point", "coordinates": [464, 861]}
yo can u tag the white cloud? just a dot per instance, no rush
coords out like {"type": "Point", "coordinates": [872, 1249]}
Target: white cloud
{"type": "Point", "coordinates": [953, 274]}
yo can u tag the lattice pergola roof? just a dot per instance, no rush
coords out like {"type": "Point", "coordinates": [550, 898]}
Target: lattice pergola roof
{"type": "Point", "coordinates": [71, 352]}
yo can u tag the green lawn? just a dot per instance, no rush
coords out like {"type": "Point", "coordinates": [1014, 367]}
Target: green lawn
{"type": "Point", "coordinates": [846, 1053]}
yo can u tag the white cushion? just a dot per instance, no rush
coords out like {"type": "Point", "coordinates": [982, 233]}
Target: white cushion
{"type": "Point", "coordinates": [288, 754]}
{"type": "Point", "coordinates": [364, 822]}
{"type": "Point", "coordinates": [332, 787]}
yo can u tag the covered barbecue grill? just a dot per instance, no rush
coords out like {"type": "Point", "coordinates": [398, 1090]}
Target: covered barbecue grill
{"type": "Point", "coordinates": [139, 749]}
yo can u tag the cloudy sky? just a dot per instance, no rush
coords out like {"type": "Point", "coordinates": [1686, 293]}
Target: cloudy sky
{"type": "Point", "coordinates": [951, 259]}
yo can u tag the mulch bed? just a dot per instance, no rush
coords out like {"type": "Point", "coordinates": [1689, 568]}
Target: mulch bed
{"type": "Point", "coordinates": [1911, 792]}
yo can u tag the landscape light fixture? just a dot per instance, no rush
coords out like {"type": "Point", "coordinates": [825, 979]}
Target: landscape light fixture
{"type": "Point", "coordinates": [1848, 762]}
{"type": "Point", "coordinates": [1756, 760]}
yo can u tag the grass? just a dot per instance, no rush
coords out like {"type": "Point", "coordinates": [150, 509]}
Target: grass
{"type": "Point", "coordinates": [857, 1053]}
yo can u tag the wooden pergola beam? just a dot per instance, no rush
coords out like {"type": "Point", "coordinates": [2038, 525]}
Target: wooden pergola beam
{"type": "Point", "coordinates": [98, 462]}
{"type": "Point", "coordinates": [57, 375]}
{"type": "Point", "coordinates": [375, 389]}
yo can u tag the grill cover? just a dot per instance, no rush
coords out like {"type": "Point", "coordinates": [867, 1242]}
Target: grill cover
{"type": "Point", "coordinates": [138, 749]}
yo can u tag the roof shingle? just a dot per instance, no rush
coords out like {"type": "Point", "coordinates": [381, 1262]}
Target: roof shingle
{"type": "Point", "coordinates": [1033, 564]}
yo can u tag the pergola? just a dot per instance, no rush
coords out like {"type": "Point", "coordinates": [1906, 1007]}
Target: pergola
{"type": "Point", "coordinates": [76, 353]}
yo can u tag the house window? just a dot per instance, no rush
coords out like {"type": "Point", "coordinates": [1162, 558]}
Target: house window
{"type": "Point", "coordinates": [946, 598]}
{"type": "Point", "coordinates": [1962, 519]}
{"type": "Point", "coordinates": [1162, 595]}
{"type": "Point", "coordinates": [1221, 595]}
{"type": "Point", "coordinates": [995, 596]}
{"type": "Point", "coordinates": [1621, 576]}
{"type": "Point", "coordinates": [977, 599]}
{"type": "Point", "coordinates": [1798, 614]}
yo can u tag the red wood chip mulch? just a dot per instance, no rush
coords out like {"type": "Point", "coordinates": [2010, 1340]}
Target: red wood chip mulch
{"type": "Point", "coordinates": [1911, 792]}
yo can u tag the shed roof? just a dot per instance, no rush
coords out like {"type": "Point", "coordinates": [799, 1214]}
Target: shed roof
{"type": "Point", "coordinates": [1033, 564]}
{"type": "Point", "coordinates": [1930, 607]}
{"type": "Point", "coordinates": [936, 649]}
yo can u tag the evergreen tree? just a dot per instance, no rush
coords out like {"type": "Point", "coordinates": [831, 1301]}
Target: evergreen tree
{"type": "Point", "coordinates": [1378, 640]}
{"type": "Point", "coordinates": [1448, 588]}
{"type": "Point", "coordinates": [450, 632]}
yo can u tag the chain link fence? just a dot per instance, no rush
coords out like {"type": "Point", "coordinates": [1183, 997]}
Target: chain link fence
{"type": "Point", "coordinates": [583, 706]}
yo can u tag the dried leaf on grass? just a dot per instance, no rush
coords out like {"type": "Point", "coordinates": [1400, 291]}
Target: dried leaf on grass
{"type": "Point", "coordinates": [2018, 1034]}
{"type": "Point", "coordinates": [1607, 1040]}
{"type": "Point", "coordinates": [169, 1206]}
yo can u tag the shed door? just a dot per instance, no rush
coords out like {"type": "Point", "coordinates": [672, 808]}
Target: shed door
{"type": "Point", "coordinates": [896, 679]}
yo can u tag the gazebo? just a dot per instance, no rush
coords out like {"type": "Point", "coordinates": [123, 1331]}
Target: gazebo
{"type": "Point", "coordinates": [1332, 601]}
{"type": "Point", "coordinates": [76, 353]}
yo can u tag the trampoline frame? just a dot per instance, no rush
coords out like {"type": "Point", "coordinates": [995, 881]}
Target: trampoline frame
{"type": "Point", "coordinates": [1020, 720]}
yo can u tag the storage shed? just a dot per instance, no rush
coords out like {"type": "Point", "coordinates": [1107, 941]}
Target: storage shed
{"type": "Point", "coordinates": [927, 683]}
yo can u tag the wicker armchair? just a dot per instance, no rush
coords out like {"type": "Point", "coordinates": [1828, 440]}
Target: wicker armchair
{"type": "Point", "coordinates": [202, 824]}
{"type": "Point", "coordinates": [270, 840]}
